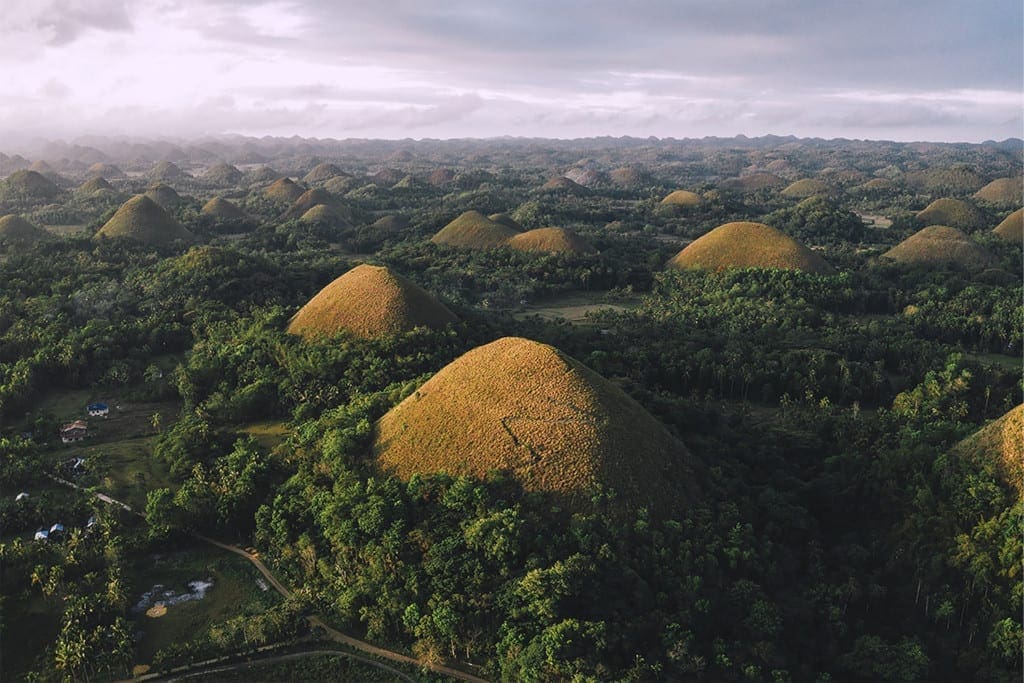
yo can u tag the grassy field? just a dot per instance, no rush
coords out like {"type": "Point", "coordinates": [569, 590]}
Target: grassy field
{"type": "Point", "coordinates": [574, 307]}
{"type": "Point", "coordinates": [234, 592]}
{"type": "Point", "coordinates": [1012, 363]}
{"type": "Point", "coordinates": [269, 435]}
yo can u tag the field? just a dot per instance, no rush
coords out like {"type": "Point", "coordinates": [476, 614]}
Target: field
{"type": "Point", "coordinates": [268, 435]}
{"type": "Point", "coordinates": [323, 667]}
{"type": "Point", "coordinates": [575, 307]}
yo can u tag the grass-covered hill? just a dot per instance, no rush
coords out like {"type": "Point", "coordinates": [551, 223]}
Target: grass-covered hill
{"type": "Point", "coordinates": [526, 408]}
{"type": "Point", "coordinates": [1011, 228]}
{"type": "Point", "coordinates": [368, 302]}
{"type": "Point", "coordinates": [953, 212]}
{"type": "Point", "coordinates": [554, 240]}
{"type": "Point", "coordinates": [143, 220]}
{"type": "Point", "coordinates": [940, 245]}
{"type": "Point", "coordinates": [473, 230]}
{"type": "Point", "coordinates": [748, 245]}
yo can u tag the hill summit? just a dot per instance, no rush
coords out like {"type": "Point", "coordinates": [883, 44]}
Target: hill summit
{"type": "Point", "coordinates": [143, 220]}
{"type": "Point", "coordinates": [951, 212]}
{"type": "Point", "coordinates": [748, 245]}
{"type": "Point", "coordinates": [369, 302]}
{"type": "Point", "coordinates": [524, 407]}
{"type": "Point", "coordinates": [999, 446]}
{"type": "Point", "coordinates": [940, 245]}
{"type": "Point", "coordinates": [474, 230]}
{"type": "Point", "coordinates": [554, 240]}
{"type": "Point", "coordinates": [16, 230]}
{"type": "Point", "coordinates": [1012, 227]}
{"type": "Point", "coordinates": [221, 208]}
{"type": "Point", "coordinates": [1003, 192]}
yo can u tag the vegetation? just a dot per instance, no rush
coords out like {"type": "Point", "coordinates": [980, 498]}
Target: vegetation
{"type": "Point", "coordinates": [748, 245]}
{"type": "Point", "coordinates": [555, 240]}
{"type": "Point", "coordinates": [143, 220]}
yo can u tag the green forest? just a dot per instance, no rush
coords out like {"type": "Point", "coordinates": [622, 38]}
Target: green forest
{"type": "Point", "coordinates": [851, 432]}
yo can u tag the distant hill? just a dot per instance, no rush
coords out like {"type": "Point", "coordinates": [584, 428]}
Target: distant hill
{"type": "Point", "coordinates": [940, 245]}
{"type": "Point", "coordinates": [222, 209]}
{"type": "Point", "coordinates": [806, 187]}
{"type": "Point", "coordinates": [1003, 192]}
{"type": "Point", "coordinates": [748, 245]}
{"type": "Point", "coordinates": [167, 171]}
{"type": "Point", "coordinates": [263, 174]}
{"type": "Point", "coordinates": [473, 230]}
{"type": "Point", "coordinates": [952, 212]}
{"type": "Point", "coordinates": [16, 231]}
{"type": "Point", "coordinates": [310, 198]}
{"type": "Point", "coordinates": [753, 182]}
{"type": "Point", "coordinates": [391, 224]}
{"type": "Point", "coordinates": [554, 240]}
{"type": "Point", "coordinates": [557, 426]}
{"type": "Point", "coordinates": [108, 171]}
{"type": "Point", "coordinates": [222, 175]}
{"type": "Point", "coordinates": [368, 302]}
{"type": "Point", "coordinates": [507, 221]}
{"type": "Point", "coordinates": [143, 220]}
{"type": "Point", "coordinates": [322, 213]}
{"type": "Point", "coordinates": [27, 184]}
{"type": "Point", "coordinates": [164, 195]}
{"type": "Point", "coordinates": [95, 184]}
{"type": "Point", "coordinates": [283, 191]}
{"type": "Point", "coordinates": [682, 198]}
{"type": "Point", "coordinates": [629, 177]}
{"type": "Point", "coordinates": [441, 177]}
{"type": "Point", "coordinates": [1011, 228]}
{"type": "Point", "coordinates": [563, 184]}
{"type": "Point", "coordinates": [324, 172]}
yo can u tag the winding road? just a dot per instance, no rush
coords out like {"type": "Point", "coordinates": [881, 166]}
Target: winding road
{"type": "Point", "coordinates": [315, 622]}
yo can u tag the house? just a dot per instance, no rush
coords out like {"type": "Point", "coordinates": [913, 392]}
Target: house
{"type": "Point", "coordinates": [97, 409]}
{"type": "Point", "coordinates": [57, 528]}
{"type": "Point", "coordinates": [20, 497]}
{"type": "Point", "coordinates": [91, 523]}
{"type": "Point", "coordinates": [74, 431]}
{"type": "Point", "coordinates": [42, 535]}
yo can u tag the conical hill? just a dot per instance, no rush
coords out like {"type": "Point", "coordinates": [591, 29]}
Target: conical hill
{"type": "Point", "coordinates": [283, 191]}
{"type": "Point", "coordinates": [473, 230]}
{"type": "Point", "coordinates": [369, 302]}
{"type": "Point", "coordinates": [940, 245]}
{"type": "Point", "coordinates": [952, 212]}
{"type": "Point", "coordinates": [525, 407]}
{"type": "Point", "coordinates": [1000, 446]}
{"type": "Point", "coordinates": [748, 245]}
{"type": "Point", "coordinates": [1012, 227]}
{"type": "Point", "coordinates": [555, 240]}
{"type": "Point", "coordinates": [222, 209]}
{"type": "Point", "coordinates": [1003, 192]}
{"type": "Point", "coordinates": [16, 230]}
{"type": "Point", "coordinates": [143, 220]}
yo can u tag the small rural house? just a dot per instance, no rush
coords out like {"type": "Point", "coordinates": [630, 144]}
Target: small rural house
{"type": "Point", "coordinates": [42, 535]}
{"type": "Point", "coordinates": [74, 431]}
{"type": "Point", "coordinates": [20, 497]}
{"type": "Point", "coordinates": [98, 409]}
{"type": "Point", "coordinates": [57, 528]}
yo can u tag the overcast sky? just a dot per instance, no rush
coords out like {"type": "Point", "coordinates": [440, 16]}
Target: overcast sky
{"type": "Point", "coordinates": [886, 69]}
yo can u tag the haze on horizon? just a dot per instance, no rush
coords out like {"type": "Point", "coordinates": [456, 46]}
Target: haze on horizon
{"type": "Point", "coordinates": [915, 70]}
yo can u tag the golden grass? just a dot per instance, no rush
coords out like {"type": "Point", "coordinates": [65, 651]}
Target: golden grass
{"type": "Point", "coordinates": [321, 213]}
{"type": "Point", "coordinates": [753, 182]}
{"type": "Point", "coordinates": [223, 175]}
{"type": "Point", "coordinates": [1003, 191]}
{"type": "Point", "coordinates": [628, 176]}
{"type": "Point", "coordinates": [263, 174]}
{"type": "Point", "coordinates": [557, 426]}
{"type": "Point", "coordinates": [748, 245]}
{"type": "Point", "coordinates": [952, 212]}
{"type": "Point", "coordinates": [221, 208]}
{"type": "Point", "coordinates": [555, 240]}
{"type": "Point", "coordinates": [166, 170]}
{"type": "Point", "coordinates": [369, 302]}
{"type": "Point", "coordinates": [164, 195]}
{"type": "Point", "coordinates": [386, 177]}
{"type": "Point", "coordinates": [473, 230]}
{"type": "Point", "coordinates": [16, 230]}
{"type": "Point", "coordinates": [311, 198]}
{"type": "Point", "coordinates": [1011, 228]}
{"type": "Point", "coordinates": [878, 185]}
{"type": "Point", "coordinates": [957, 180]}
{"type": "Point", "coordinates": [391, 224]}
{"type": "Point", "coordinates": [283, 191]}
{"type": "Point", "coordinates": [25, 183]}
{"type": "Point", "coordinates": [107, 171]}
{"type": "Point", "coordinates": [94, 185]}
{"type": "Point", "coordinates": [143, 220]}
{"type": "Point", "coordinates": [940, 245]}
{"type": "Point", "coordinates": [683, 198]}
{"type": "Point", "coordinates": [999, 444]}
{"type": "Point", "coordinates": [323, 172]}
{"type": "Point", "coordinates": [40, 166]}
{"type": "Point", "coordinates": [806, 187]}
{"type": "Point", "coordinates": [587, 177]}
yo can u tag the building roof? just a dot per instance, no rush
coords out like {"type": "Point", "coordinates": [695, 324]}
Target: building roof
{"type": "Point", "coordinates": [97, 406]}
{"type": "Point", "coordinates": [77, 424]}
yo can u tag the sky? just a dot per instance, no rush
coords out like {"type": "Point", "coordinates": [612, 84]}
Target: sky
{"type": "Point", "coordinates": [940, 70]}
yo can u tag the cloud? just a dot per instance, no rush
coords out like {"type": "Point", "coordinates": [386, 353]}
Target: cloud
{"type": "Point", "coordinates": [27, 24]}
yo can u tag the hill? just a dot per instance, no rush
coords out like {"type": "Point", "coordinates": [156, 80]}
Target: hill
{"type": "Point", "coordinates": [998, 446]}
{"type": "Point", "coordinates": [473, 230]}
{"type": "Point", "coordinates": [563, 184]}
{"type": "Point", "coordinates": [263, 174]}
{"type": "Point", "coordinates": [283, 191]}
{"type": "Point", "coordinates": [143, 220]}
{"type": "Point", "coordinates": [1003, 192]}
{"type": "Point", "coordinates": [806, 187]}
{"type": "Point", "coordinates": [368, 302]}
{"type": "Point", "coordinates": [26, 184]}
{"type": "Point", "coordinates": [107, 171]}
{"type": "Point", "coordinates": [441, 177]}
{"type": "Point", "coordinates": [555, 240]}
{"type": "Point", "coordinates": [753, 182]}
{"type": "Point", "coordinates": [952, 212]}
{"type": "Point", "coordinates": [222, 209]}
{"type": "Point", "coordinates": [15, 230]}
{"type": "Point", "coordinates": [322, 213]}
{"type": "Point", "coordinates": [311, 198]}
{"type": "Point", "coordinates": [557, 426]}
{"type": "Point", "coordinates": [940, 245]}
{"type": "Point", "coordinates": [507, 221]}
{"type": "Point", "coordinates": [748, 245]}
{"type": "Point", "coordinates": [164, 195]}
{"type": "Point", "coordinates": [324, 172]}
{"type": "Point", "coordinates": [95, 184]}
{"type": "Point", "coordinates": [628, 176]}
{"type": "Point", "coordinates": [587, 177]}
{"type": "Point", "coordinates": [167, 171]}
{"type": "Point", "coordinates": [391, 224]}
{"type": "Point", "coordinates": [1012, 227]}
{"type": "Point", "coordinates": [222, 175]}
{"type": "Point", "coordinates": [683, 198]}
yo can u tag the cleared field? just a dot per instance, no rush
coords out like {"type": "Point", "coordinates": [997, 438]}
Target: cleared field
{"type": "Point", "coordinates": [269, 435]}
{"type": "Point", "coordinates": [234, 592]}
{"type": "Point", "coordinates": [575, 307]}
